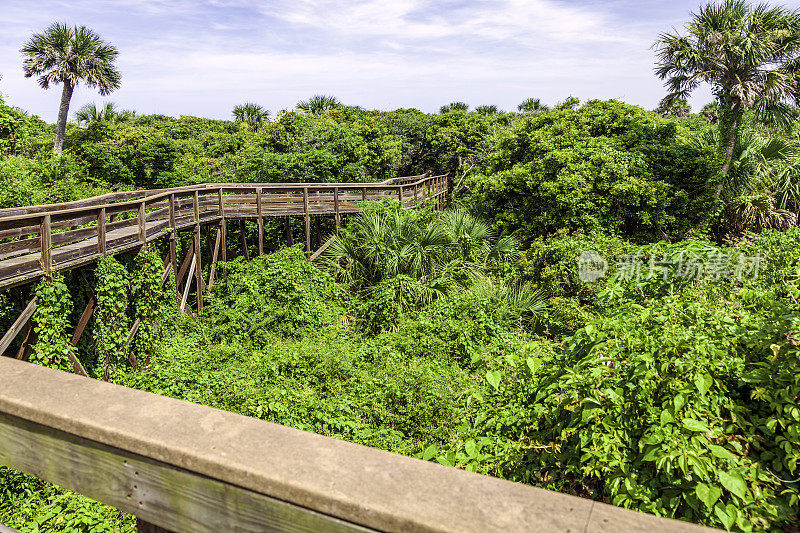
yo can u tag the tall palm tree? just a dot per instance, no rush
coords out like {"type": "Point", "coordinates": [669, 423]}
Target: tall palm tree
{"type": "Point", "coordinates": [750, 55]}
{"type": "Point", "coordinates": [69, 56]}
{"type": "Point", "coordinates": [533, 106]}
{"type": "Point", "coordinates": [251, 114]}
{"type": "Point", "coordinates": [318, 104]}
{"type": "Point", "coordinates": [91, 113]}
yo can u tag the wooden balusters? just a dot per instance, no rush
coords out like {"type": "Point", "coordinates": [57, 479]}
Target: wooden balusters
{"type": "Point", "coordinates": [336, 209]}
{"type": "Point", "coordinates": [172, 238]}
{"type": "Point", "coordinates": [142, 225]}
{"type": "Point", "coordinates": [101, 231]}
{"type": "Point", "coordinates": [45, 244]}
{"type": "Point", "coordinates": [198, 271]}
{"type": "Point", "coordinates": [260, 222]}
{"type": "Point", "coordinates": [308, 220]}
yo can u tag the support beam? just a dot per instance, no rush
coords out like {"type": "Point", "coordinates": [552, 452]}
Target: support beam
{"type": "Point", "coordinates": [17, 326]}
{"type": "Point", "coordinates": [84, 320]}
{"type": "Point", "coordinates": [26, 346]}
{"type": "Point", "coordinates": [188, 283]}
{"type": "Point", "coordinates": [214, 257]}
{"type": "Point", "coordinates": [243, 232]}
{"type": "Point", "coordinates": [186, 261]}
{"type": "Point", "coordinates": [288, 228]}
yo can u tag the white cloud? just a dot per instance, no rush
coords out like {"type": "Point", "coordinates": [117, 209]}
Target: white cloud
{"type": "Point", "coordinates": [186, 57]}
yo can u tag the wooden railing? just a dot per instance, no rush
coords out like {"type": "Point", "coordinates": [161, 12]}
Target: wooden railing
{"type": "Point", "coordinates": [187, 467]}
{"type": "Point", "coordinates": [40, 239]}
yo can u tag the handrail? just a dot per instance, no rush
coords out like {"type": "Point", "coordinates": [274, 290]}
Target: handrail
{"type": "Point", "coordinates": [8, 213]}
{"type": "Point", "coordinates": [39, 239]}
{"type": "Point", "coordinates": [188, 467]}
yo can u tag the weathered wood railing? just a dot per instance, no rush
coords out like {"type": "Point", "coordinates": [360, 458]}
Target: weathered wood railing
{"type": "Point", "coordinates": [40, 239]}
{"type": "Point", "coordinates": [187, 467]}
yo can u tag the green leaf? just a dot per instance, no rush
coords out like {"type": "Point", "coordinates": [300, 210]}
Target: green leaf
{"type": "Point", "coordinates": [721, 453]}
{"type": "Point", "coordinates": [493, 377]}
{"type": "Point", "coordinates": [703, 383]}
{"type": "Point", "coordinates": [470, 448]}
{"type": "Point", "coordinates": [666, 417]}
{"type": "Point", "coordinates": [733, 482]}
{"type": "Point", "coordinates": [708, 495]}
{"type": "Point", "coordinates": [429, 452]}
{"type": "Point", "coordinates": [726, 517]}
{"type": "Point", "coordinates": [695, 425]}
{"type": "Point", "coordinates": [533, 364]}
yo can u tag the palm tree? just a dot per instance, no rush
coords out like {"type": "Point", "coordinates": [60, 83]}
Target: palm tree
{"type": "Point", "coordinates": [251, 114]}
{"type": "Point", "coordinates": [678, 108]}
{"type": "Point", "coordinates": [70, 56]}
{"type": "Point", "coordinates": [710, 112]}
{"type": "Point", "coordinates": [532, 106]}
{"type": "Point", "coordinates": [763, 184]}
{"type": "Point", "coordinates": [488, 110]}
{"type": "Point", "coordinates": [750, 55]}
{"type": "Point", "coordinates": [90, 114]}
{"type": "Point", "coordinates": [454, 106]}
{"type": "Point", "coordinates": [318, 104]}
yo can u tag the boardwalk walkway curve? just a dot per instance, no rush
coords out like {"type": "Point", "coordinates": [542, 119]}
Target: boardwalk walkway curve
{"type": "Point", "coordinates": [40, 239]}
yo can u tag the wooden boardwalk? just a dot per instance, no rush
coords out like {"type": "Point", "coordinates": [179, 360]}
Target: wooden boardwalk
{"type": "Point", "coordinates": [40, 239]}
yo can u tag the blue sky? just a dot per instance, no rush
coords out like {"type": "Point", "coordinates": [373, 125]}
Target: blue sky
{"type": "Point", "coordinates": [203, 57]}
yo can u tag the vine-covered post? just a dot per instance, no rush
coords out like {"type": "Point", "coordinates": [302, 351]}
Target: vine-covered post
{"type": "Point", "coordinates": [308, 221]}
{"type": "Point", "coordinates": [260, 222]}
{"type": "Point", "coordinates": [101, 231]}
{"type": "Point", "coordinates": [198, 272]}
{"type": "Point", "coordinates": [45, 244]}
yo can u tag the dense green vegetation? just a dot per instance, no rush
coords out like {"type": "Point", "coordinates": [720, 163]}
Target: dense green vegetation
{"type": "Point", "coordinates": [609, 309]}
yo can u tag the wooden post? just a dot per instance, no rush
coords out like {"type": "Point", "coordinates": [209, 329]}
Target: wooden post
{"type": "Point", "coordinates": [428, 187]}
{"type": "Point", "coordinates": [172, 237]}
{"type": "Point", "coordinates": [101, 231]}
{"type": "Point", "coordinates": [400, 195]}
{"type": "Point", "coordinates": [260, 223]}
{"type": "Point", "coordinates": [415, 195]}
{"type": "Point", "coordinates": [223, 227]}
{"type": "Point", "coordinates": [308, 221]}
{"type": "Point", "coordinates": [142, 227]}
{"type": "Point", "coordinates": [336, 208]}
{"type": "Point", "coordinates": [198, 271]}
{"type": "Point", "coordinates": [243, 231]}
{"type": "Point", "coordinates": [45, 243]}
{"type": "Point", "coordinates": [288, 228]}
{"type": "Point", "coordinates": [363, 193]}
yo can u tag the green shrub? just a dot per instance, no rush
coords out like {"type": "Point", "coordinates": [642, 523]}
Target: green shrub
{"type": "Point", "coordinates": [274, 294]}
